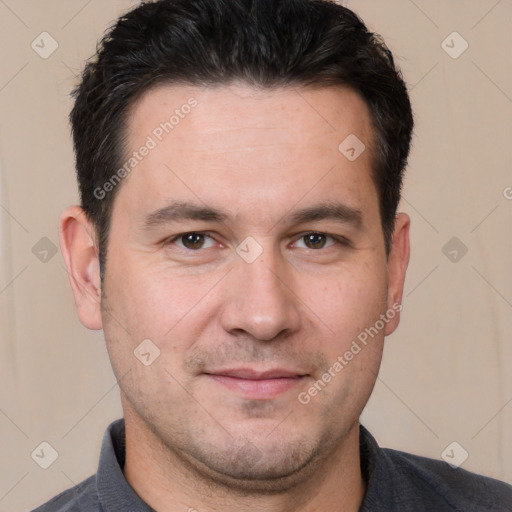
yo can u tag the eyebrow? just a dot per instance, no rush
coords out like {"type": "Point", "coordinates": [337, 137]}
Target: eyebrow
{"type": "Point", "coordinates": [338, 212]}
{"type": "Point", "coordinates": [180, 211]}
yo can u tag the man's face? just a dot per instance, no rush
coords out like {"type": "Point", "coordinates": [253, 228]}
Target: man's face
{"type": "Point", "coordinates": [246, 242]}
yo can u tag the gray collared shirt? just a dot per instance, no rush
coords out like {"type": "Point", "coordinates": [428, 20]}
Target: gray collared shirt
{"type": "Point", "coordinates": [396, 482]}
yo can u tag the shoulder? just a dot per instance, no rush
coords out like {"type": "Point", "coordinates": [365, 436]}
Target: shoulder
{"type": "Point", "coordinates": [458, 488]}
{"type": "Point", "coordinates": [82, 497]}
{"type": "Point", "coordinates": [402, 482]}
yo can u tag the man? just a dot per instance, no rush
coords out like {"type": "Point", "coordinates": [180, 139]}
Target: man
{"type": "Point", "coordinates": [240, 165]}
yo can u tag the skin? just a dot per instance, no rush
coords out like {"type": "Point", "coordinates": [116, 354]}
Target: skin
{"type": "Point", "coordinates": [259, 156]}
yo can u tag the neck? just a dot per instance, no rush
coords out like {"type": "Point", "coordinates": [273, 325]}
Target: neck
{"type": "Point", "coordinates": [169, 481]}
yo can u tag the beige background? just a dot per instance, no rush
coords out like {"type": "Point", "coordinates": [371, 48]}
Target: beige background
{"type": "Point", "coordinates": [446, 372]}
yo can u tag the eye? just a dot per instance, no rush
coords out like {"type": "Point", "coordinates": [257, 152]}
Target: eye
{"type": "Point", "coordinates": [193, 241]}
{"type": "Point", "coordinates": [316, 240]}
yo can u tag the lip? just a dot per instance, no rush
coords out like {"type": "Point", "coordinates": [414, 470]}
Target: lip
{"type": "Point", "coordinates": [257, 385]}
{"type": "Point", "coordinates": [251, 374]}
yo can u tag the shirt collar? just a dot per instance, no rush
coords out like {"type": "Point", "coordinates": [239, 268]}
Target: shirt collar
{"type": "Point", "coordinates": [114, 493]}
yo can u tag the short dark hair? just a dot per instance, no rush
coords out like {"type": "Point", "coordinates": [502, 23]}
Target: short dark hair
{"type": "Point", "coordinates": [264, 43]}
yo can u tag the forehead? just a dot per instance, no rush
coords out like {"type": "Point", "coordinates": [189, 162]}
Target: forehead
{"type": "Point", "coordinates": [236, 143]}
{"type": "Point", "coordinates": [288, 113]}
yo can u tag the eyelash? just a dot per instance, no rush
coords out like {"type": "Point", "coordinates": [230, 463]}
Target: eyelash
{"type": "Point", "coordinates": [337, 239]}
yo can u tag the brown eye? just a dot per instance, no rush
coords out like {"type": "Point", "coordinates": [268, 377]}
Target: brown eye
{"type": "Point", "coordinates": [193, 241]}
{"type": "Point", "coordinates": [315, 240]}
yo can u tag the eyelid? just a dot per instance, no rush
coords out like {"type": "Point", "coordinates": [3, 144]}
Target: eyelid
{"type": "Point", "coordinates": [338, 239]}
{"type": "Point", "coordinates": [178, 237]}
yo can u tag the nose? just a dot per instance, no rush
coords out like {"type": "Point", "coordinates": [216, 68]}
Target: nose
{"type": "Point", "coordinates": [260, 300]}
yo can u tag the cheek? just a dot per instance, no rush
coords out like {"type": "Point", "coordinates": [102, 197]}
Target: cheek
{"type": "Point", "coordinates": [148, 312]}
{"type": "Point", "coordinates": [349, 300]}
{"type": "Point", "coordinates": [350, 306]}
{"type": "Point", "coordinates": [153, 302]}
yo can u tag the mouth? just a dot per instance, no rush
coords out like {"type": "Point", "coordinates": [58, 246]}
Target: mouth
{"type": "Point", "coordinates": [257, 385]}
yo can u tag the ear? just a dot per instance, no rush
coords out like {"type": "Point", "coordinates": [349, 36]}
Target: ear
{"type": "Point", "coordinates": [78, 246]}
{"type": "Point", "coordinates": [398, 259]}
